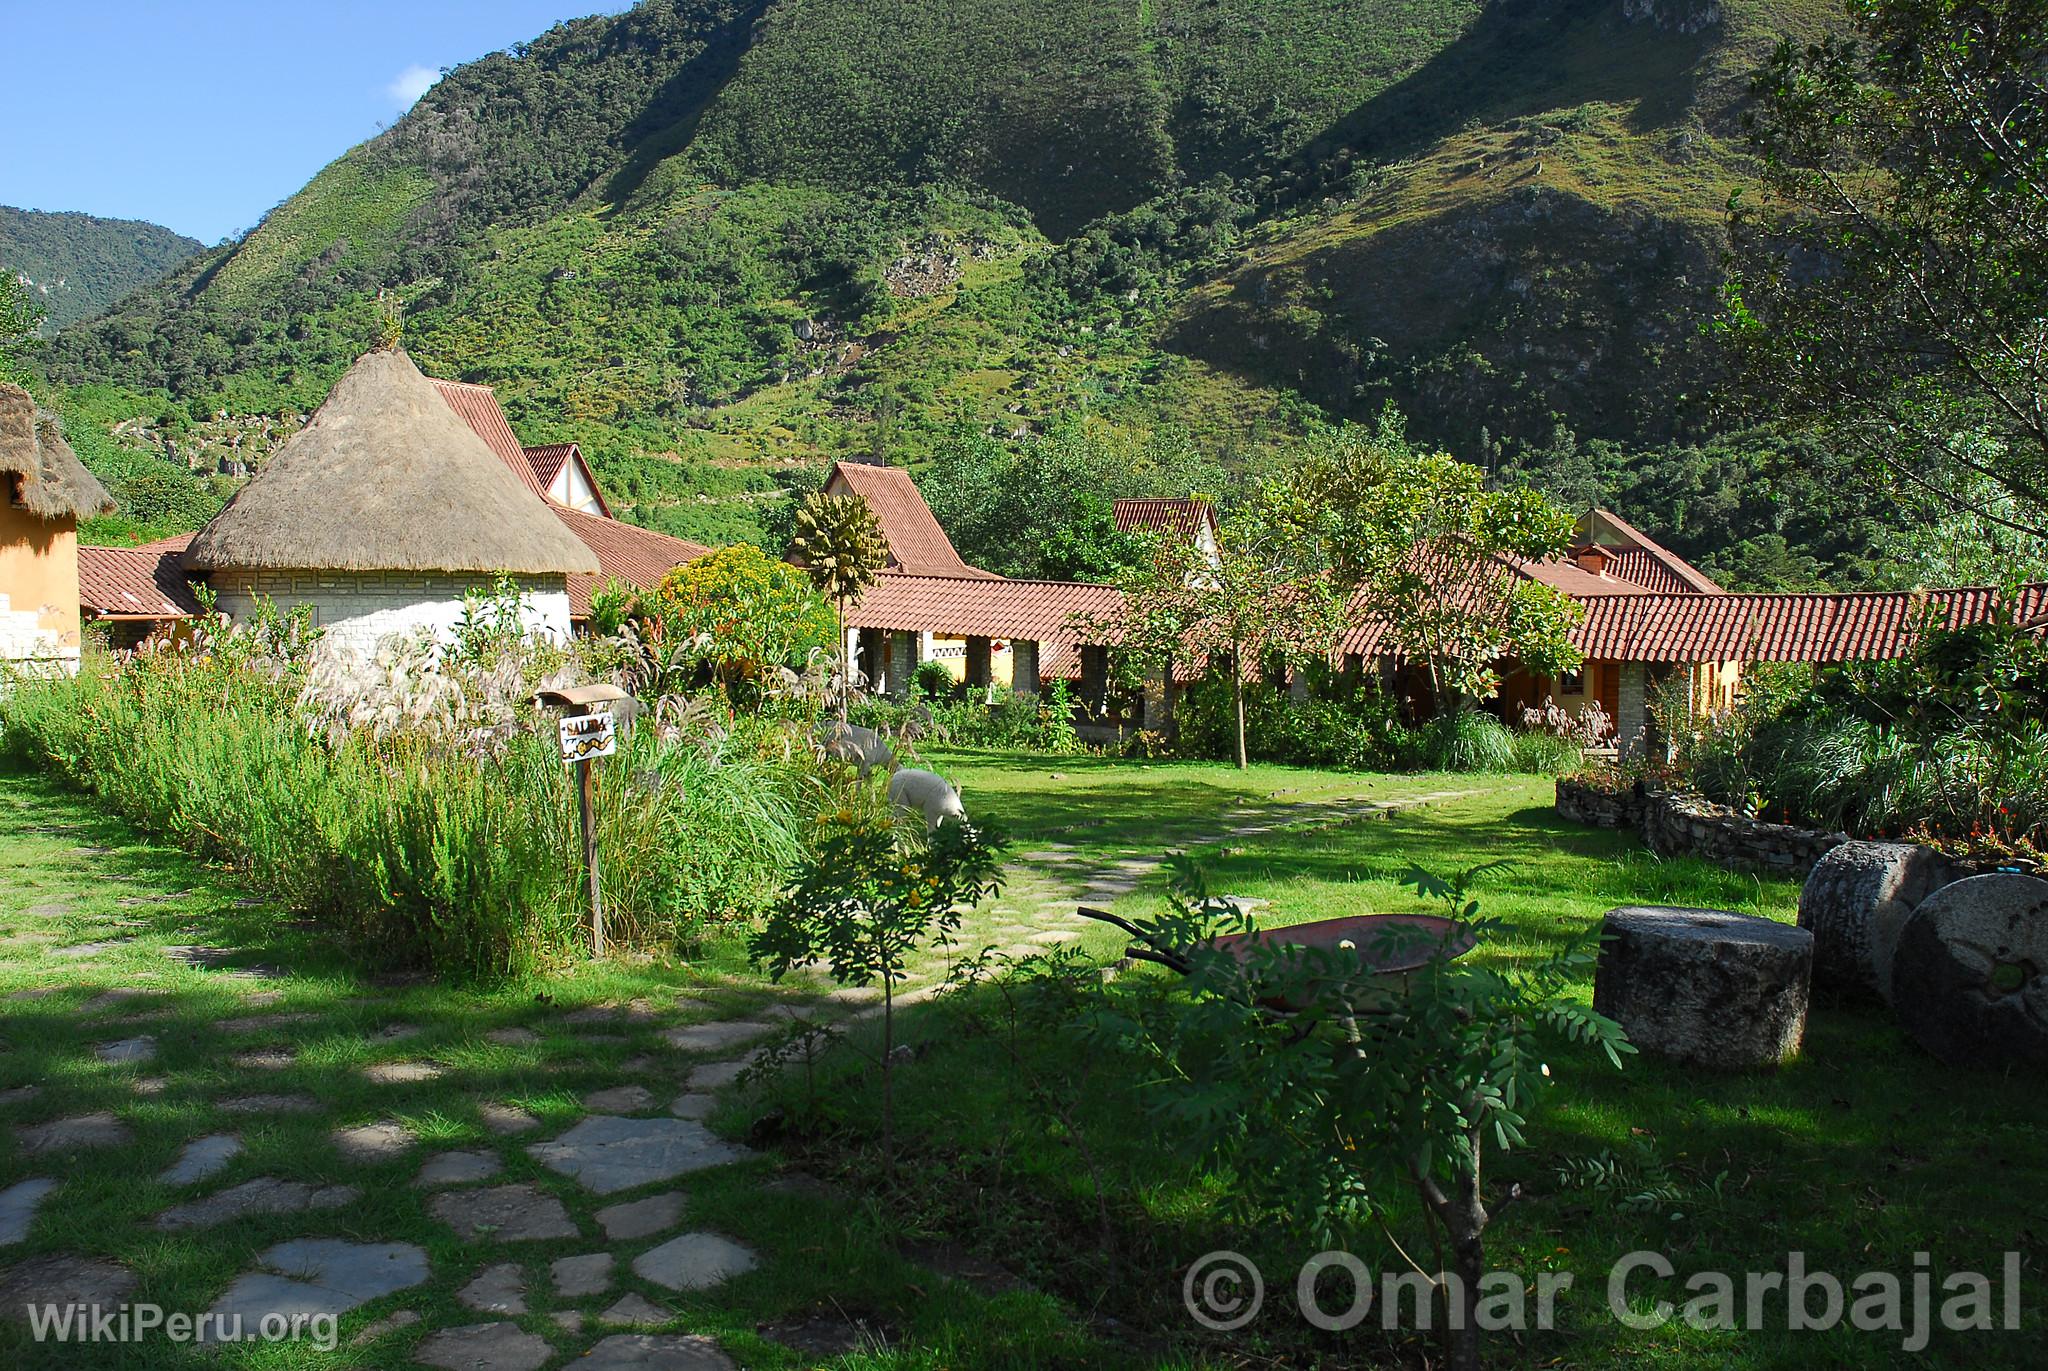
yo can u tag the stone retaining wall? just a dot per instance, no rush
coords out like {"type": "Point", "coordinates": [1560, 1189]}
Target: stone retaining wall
{"type": "Point", "coordinates": [1680, 825]}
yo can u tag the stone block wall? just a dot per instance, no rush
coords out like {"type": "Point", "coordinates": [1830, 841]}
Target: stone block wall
{"type": "Point", "coordinates": [1675, 824]}
{"type": "Point", "coordinates": [358, 610]}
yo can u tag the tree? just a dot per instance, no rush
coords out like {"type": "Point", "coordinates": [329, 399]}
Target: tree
{"type": "Point", "coordinates": [838, 542]}
{"type": "Point", "coordinates": [743, 615]}
{"type": "Point", "coordinates": [20, 318]}
{"type": "Point", "coordinates": [1258, 600]}
{"type": "Point", "coordinates": [874, 888]}
{"type": "Point", "coordinates": [1425, 550]}
{"type": "Point", "coordinates": [1360, 1088]}
{"type": "Point", "coordinates": [1891, 287]}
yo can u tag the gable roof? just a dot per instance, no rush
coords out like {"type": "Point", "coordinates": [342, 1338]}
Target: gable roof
{"type": "Point", "coordinates": [546, 462]}
{"type": "Point", "coordinates": [136, 582]}
{"type": "Point", "coordinates": [1639, 559]}
{"type": "Point", "coordinates": [53, 483]}
{"type": "Point", "coordinates": [386, 477]}
{"type": "Point", "coordinates": [1185, 518]}
{"type": "Point", "coordinates": [917, 545]}
{"type": "Point", "coordinates": [985, 606]}
{"type": "Point", "coordinates": [479, 408]}
{"type": "Point", "coordinates": [637, 556]}
{"type": "Point", "coordinates": [1850, 626]}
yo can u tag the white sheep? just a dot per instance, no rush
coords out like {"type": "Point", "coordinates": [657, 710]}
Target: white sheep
{"type": "Point", "coordinates": [927, 793]}
{"type": "Point", "coordinates": [862, 747]}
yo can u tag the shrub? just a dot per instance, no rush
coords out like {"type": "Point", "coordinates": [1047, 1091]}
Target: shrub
{"type": "Point", "coordinates": [743, 616]}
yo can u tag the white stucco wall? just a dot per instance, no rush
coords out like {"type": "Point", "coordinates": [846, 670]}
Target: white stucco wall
{"type": "Point", "coordinates": [572, 490]}
{"type": "Point", "coordinates": [24, 640]}
{"type": "Point", "coordinates": [360, 609]}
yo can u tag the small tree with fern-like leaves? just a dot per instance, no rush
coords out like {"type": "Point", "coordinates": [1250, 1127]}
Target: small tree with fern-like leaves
{"type": "Point", "coordinates": [838, 542]}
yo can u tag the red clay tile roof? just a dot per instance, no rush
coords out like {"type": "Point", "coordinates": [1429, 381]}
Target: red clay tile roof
{"type": "Point", "coordinates": [1648, 563]}
{"type": "Point", "coordinates": [1857, 626]}
{"type": "Point", "coordinates": [1574, 580]}
{"type": "Point", "coordinates": [135, 582]}
{"type": "Point", "coordinates": [479, 408]}
{"type": "Point", "coordinates": [546, 460]}
{"type": "Point", "coordinates": [1182, 518]}
{"type": "Point", "coordinates": [640, 557]}
{"type": "Point", "coordinates": [917, 544]}
{"type": "Point", "coordinates": [984, 607]}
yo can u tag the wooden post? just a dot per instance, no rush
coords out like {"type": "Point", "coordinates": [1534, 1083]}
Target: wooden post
{"type": "Point", "coordinates": [586, 778]}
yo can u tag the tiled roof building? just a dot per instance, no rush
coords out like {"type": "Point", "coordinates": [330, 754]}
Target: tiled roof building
{"type": "Point", "coordinates": [917, 544]}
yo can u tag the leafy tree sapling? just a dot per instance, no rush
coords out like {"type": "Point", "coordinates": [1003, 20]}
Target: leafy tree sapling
{"type": "Point", "coordinates": [875, 887]}
{"type": "Point", "coordinates": [1366, 1086]}
{"type": "Point", "coordinates": [838, 542]}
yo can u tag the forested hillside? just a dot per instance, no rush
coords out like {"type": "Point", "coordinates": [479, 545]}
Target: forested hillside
{"type": "Point", "coordinates": [719, 243]}
{"type": "Point", "coordinates": [76, 265]}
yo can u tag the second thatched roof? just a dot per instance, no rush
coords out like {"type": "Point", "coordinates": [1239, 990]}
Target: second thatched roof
{"type": "Point", "coordinates": [387, 478]}
{"type": "Point", "coordinates": [54, 483]}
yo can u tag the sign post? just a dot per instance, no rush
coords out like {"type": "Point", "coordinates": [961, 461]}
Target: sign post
{"type": "Point", "coordinates": [585, 737]}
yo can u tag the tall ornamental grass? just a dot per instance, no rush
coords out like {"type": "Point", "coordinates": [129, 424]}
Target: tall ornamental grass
{"type": "Point", "coordinates": [424, 842]}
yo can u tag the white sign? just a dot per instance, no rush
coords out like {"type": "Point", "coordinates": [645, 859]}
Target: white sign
{"type": "Point", "coordinates": [586, 737]}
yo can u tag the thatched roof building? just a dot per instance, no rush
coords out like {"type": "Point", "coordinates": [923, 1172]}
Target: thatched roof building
{"type": "Point", "coordinates": [386, 478]}
{"type": "Point", "coordinates": [48, 479]}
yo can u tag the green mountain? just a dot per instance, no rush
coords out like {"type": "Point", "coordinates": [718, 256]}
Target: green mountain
{"type": "Point", "coordinates": [721, 242]}
{"type": "Point", "coordinates": [76, 265]}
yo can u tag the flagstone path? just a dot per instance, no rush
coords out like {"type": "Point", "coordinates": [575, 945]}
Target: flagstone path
{"type": "Point", "coordinates": [492, 1195]}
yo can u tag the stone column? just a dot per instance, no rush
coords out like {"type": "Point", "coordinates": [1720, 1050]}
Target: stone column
{"type": "Point", "coordinates": [1094, 675]}
{"type": "Point", "coordinates": [978, 651]}
{"type": "Point", "coordinates": [1157, 716]}
{"type": "Point", "coordinates": [874, 658]}
{"type": "Point", "coordinates": [1632, 713]}
{"type": "Point", "coordinates": [1024, 665]}
{"type": "Point", "coordinates": [903, 647]}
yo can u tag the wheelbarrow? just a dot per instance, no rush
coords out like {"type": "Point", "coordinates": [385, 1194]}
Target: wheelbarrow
{"type": "Point", "coordinates": [1387, 946]}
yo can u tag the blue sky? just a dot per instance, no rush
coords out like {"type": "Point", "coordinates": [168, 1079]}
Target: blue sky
{"type": "Point", "coordinates": [200, 115]}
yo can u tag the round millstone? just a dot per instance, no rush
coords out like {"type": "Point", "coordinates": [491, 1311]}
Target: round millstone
{"type": "Point", "coordinates": [1970, 981]}
{"type": "Point", "coordinates": [1704, 986]}
{"type": "Point", "coordinates": [1856, 903]}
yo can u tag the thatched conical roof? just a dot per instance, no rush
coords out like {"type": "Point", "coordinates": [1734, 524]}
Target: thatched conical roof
{"type": "Point", "coordinates": [54, 483]}
{"type": "Point", "coordinates": [387, 478]}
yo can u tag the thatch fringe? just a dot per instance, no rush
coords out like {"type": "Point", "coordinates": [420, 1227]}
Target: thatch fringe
{"type": "Point", "coordinates": [53, 483]}
{"type": "Point", "coordinates": [386, 477]}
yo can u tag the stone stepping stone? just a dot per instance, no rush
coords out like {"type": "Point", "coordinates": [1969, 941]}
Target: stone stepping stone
{"type": "Point", "coordinates": [263, 999]}
{"type": "Point", "coordinates": [1056, 937]}
{"type": "Point", "coordinates": [265, 1059]}
{"type": "Point", "coordinates": [61, 1279]}
{"type": "Point", "coordinates": [485, 1347]}
{"type": "Point", "coordinates": [80, 951]}
{"type": "Point", "coordinates": [320, 1276]}
{"type": "Point", "coordinates": [54, 910]}
{"type": "Point", "coordinates": [716, 1037]}
{"type": "Point", "coordinates": [568, 1320]}
{"type": "Point", "coordinates": [395, 1033]}
{"type": "Point", "coordinates": [506, 1120]}
{"type": "Point", "coordinates": [458, 1168]}
{"type": "Point", "coordinates": [127, 1051]}
{"type": "Point", "coordinates": [20, 1094]}
{"type": "Point", "coordinates": [499, 1289]}
{"type": "Point", "coordinates": [390, 1323]}
{"type": "Point", "coordinates": [271, 1104]}
{"type": "Point", "coordinates": [373, 1142]}
{"type": "Point", "coordinates": [619, 1099]}
{"type": "Point", "coordinates": [635, 1311]}
{"type": "Point", "coordinates": [589, 1273]}
{"type": "Point", "coordinates": [100, 1129]}
{"type": "Point", "coordinates": [694, 1261]}
{"type": "Point", "coordinates": [34, 993]}
{"type": "Point", "coordinates": [152, 1085]}
{"type": "Point", "coordinates": [694, 1105]}
{"type": "Point", "coordinates": [259, 1023]}
{"type": "Point", "coordinates": [505, 1213]}
{"type": "Point", "coordinates": [202, 1159]}
{"type": "Point", "coordinates": [401, 1073]}
{"type": "Point", "coordinates": [592, 1014]}
{"type": "Point", "coordinates": [264, 1195]}
{"type": "Point", "coordinates": [822, 1336]}
{"type": "Point", "coordinates": [715, 1075]}
{"type": "Point", "coordinates": [18, 1204]}
{"type": "Point", "coordinates": [512, 1037]}
{"type": "Point", "coordinates": [606, 1155]}
{"type": "Point", "coordinates": [641, 1218]}
{"type": "Point", "coordinates": [120, 998]}
{"type": "Point", "coordinates": [655, 1352]}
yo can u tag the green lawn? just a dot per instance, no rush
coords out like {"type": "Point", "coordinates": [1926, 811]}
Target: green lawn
{"type": "Point", "coordinates": [1859, 1155]}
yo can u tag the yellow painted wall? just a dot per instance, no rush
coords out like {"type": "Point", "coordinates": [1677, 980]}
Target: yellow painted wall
{"type": "Point", "coordinates": [39, 571]}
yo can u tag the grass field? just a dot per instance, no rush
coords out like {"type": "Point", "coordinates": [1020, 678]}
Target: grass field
{"type": "Point", "coordinates": [986, 1247]}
